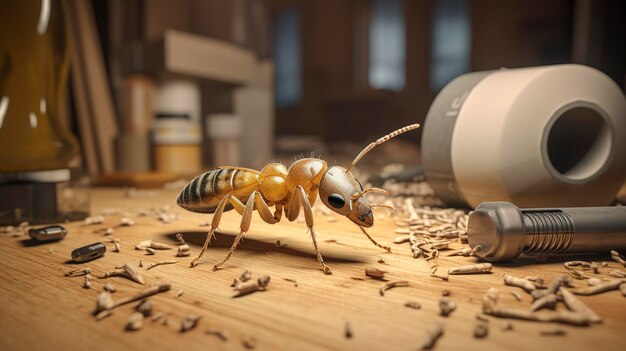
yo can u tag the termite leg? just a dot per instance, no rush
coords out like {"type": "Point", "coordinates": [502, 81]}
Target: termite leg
{"type": "Point", "coordinates": [217, 217]}
{"type": "Point", "coordinates": [387, 248]}
{"type": "Point", "coordinates": [246, 218]}
{"type": "Point", "coordinates": [308, 216]}
{"type": "Point", "coordinates": [265, 212]}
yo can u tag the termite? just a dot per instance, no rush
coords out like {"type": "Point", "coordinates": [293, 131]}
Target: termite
{"type": "Point", "coordinates": [287, 190]}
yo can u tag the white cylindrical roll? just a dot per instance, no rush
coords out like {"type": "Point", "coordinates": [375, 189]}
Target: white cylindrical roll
{"type": "Point", "coordinates": [538, 137]}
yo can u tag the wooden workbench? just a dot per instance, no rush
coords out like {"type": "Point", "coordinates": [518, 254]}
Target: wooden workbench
{"type": "Point", "coordinates": [40, 309]}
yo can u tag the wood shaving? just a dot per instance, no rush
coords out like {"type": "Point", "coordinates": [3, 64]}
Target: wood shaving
{"type": "Point", "coordinates": [129, 272]}
{"type": "Point", "coordinates": [525, 284]}
{"type": "Point", "coordinates": [546, 301]}
{"type": "Point", "coordinates": [220, 334]}
{"type": "Point", "coordinates": [516, 295]}
{"type": "Point", "coordinates": [78, 272]}
{"type": "Point", "coordinates": [103, 302]}
{"type": "Point", "coordinates": [471, 269]}
{"type": "Point", "coordinates": [600, 288]}
{"type": "Point", "coordinates": [152, 265]}
{"type": "Point", "coordinates": [391, 285]}
{"type": "Point", "coordinates": [575, 305]}
{"type": "Point", "coordinates": [618, 258]}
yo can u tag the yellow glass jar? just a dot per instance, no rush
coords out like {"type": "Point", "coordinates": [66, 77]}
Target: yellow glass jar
{"type": "Point", "coordinates": [34, 61]}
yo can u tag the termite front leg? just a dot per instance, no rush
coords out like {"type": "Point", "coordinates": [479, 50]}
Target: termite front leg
{"type": "Point", "coordinates": [308, 217]}
{"type": "Point", "coordinates": [246, 218]}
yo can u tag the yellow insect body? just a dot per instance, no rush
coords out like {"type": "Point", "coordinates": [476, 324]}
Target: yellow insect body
{"type": "Point", "coordinates": [289, 190]}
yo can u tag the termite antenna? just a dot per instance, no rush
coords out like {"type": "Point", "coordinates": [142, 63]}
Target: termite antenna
{"type": "Point", "coordinates": [369, 190]}
{"type": "Point", "coordinates": [369, 147]}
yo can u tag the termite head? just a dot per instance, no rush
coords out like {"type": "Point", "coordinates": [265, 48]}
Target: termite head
{"type": "Point", "coordinates": [342, 193]}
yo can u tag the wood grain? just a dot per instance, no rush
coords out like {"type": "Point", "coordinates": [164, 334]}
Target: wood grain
{"type": "Point", "coordinates": [43, 310]}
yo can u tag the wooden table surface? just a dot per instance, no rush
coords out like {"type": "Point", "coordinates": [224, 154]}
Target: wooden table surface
{"type": "Point", "coordinates": [40, 309]}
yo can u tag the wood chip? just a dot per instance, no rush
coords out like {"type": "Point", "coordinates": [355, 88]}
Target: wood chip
{"type": "Point", "coordinates": [145, 307]}
{"type": "Point", "coordinates": [375, 273]}
{"type": "Point", "coordinates": [109, 288]}
{"type": "Point", "coordinates": [189, 322]}
{"type": "Point", "coordinates": [135, 322]}
{"type": "Point", "coordinates": [348, 330]}
{"type": "Point", "coordinates": [481, 329]}
{"type": "Point", "coordinates": [413, 304]}
{"type": "Point", "coordinates": [433, 333]}
{"type": "Point", "coordinates": [250, 286]}
{"type": "Point", "coordinates": [446, 306]}
{"type": "Point", "coordinates": [249, 342]}
{"type": "Point", "coordinates": [555, 332]}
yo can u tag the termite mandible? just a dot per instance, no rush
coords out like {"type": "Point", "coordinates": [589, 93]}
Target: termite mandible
{"type": "Point", "coordinates": [288, 190]}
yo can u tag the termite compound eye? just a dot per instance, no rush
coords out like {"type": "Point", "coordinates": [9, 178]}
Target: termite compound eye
{"type": "Point", "coordinates": [336, 200]}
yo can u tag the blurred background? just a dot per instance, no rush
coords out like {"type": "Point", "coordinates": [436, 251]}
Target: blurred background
{"type": "Point", "coordinates": [179, 86]}
{"type": "Point", "coordinates": [141, 91]}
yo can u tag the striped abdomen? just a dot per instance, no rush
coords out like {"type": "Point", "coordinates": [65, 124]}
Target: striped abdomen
{"type": "Point", "coordinates": [204, 193]}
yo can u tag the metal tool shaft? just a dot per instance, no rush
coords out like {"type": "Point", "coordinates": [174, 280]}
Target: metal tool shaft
{"type": "Point", "coordinates": [504, 231]}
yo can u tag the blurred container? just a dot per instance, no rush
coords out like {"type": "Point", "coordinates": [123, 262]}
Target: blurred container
{"type": "Point", "coordinates": [224, 132]}
{"type": "Point", "coordinates": [177, 146]}
{"type": "Point", "coordinates": [34, 61]}
{"type": "Point", "coordinates": [176, 130]}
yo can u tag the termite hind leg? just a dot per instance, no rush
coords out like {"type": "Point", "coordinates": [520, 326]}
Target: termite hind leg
{"type": "Point", "coordinates": [244, 226]}
{"type": "Point", "coordinates": [308, 217]}
{"type": "Point", "coordinates": [386, 248]}
{"type": "Point", "coordinates": [217, 217]}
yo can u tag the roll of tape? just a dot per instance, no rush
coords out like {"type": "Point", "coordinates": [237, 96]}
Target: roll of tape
{"type": "Point", "coordinates": [541, 136]}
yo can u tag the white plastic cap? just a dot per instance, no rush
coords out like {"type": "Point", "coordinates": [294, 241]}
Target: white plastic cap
{"type": "Point", "coordinates": [178, 97]}
{"type": "Point", "coordinates": [223, 126]}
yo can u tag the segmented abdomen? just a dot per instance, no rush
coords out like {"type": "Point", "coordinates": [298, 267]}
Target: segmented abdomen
{"type": "Point", "coordinates": [204, 193]}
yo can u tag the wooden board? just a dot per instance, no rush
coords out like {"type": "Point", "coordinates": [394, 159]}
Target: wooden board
{"type": "Point", "coordinates": [42, 310]}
